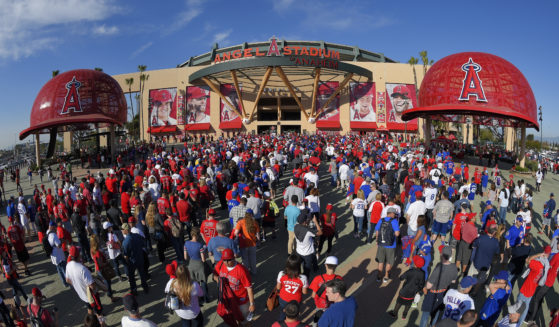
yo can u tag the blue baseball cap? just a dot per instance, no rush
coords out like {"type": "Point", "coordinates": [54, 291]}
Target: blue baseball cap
{"type": "Point", "coordinates": [52, 223]}
{"type": "Point", "coordinates": [468, 281]}
{"type": "Point", "coordinates": [488, 203]}
{"type": "Point", "coordinates": [520, 219]}
{"type": "Point", "coordinates": [503, 274]}
{"type": "Point", "coordinates": [249, 210]}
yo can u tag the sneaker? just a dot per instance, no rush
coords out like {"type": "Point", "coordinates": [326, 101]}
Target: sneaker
{"type": "Point", "coordinates": [356, 235]}
{"type": "Point", "coordinates": [385, 280]}
{"type": "Point", "coordinates": [392, 313]}
{"type": "Point", "coordinates": [414, 305]}
{"type": "Point", "coordinates": [404, 317]}
{"type": "Point", "coordinates": [379, 279]}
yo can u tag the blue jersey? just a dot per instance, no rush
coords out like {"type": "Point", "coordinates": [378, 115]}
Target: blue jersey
{"type": "Point", "coordinates": [492, 308]}
{"type": "Point", "coordinates": [515, 235]}
{"type": "Point", "coordinates": [472, 194]}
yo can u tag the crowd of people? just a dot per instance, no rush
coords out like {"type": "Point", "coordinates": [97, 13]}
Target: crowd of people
{"type": "Point", "coordinates": [214, 203]}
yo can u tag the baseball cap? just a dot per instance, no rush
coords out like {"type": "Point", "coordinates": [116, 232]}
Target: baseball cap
{"type": "Point", "coordinates": [36, 292]}
{"type": "Point", "coordinates": [125, 227]}
{"type": "Point", "coordinates": [418, 261]}
{"type": "Point", "coordinates": [106, 225]}
{"type": "Point", "coordinates": [211, 212]}
{"type": "Point", "coordinates": [249, 210]}
{"type": "Point", "coordinates": [131, 219]}
{"type": "Point", "coordinates": [329, 207]}
{"type": "Point", "coordinates": [418, 195]}
{"type": "Point", "coordinates": [400, 90]}
{"type": "Point", "coordinates": [518, 307]}
{"type": "Point", "coordinates": [331, 260]}
{"type": "Point", "coordinates": [551, 194]}
{"type": "Point", "coordinates": [547, 249]}
{"type": "Point", "coordinates": [130, 303]}
{"type": "Point", "coordinates": [227, 254]}
{"type": "Point", "coordinates": [195, 92]}
{"type": "Point", "coordinates": [503, 274]}
{"type": "Point", "coordinates": [363, 89]}
{"type": "Point", "coordinates": [391, 210]}
{"type": "Point", "coordinates": [162, 96]}
{"type": "Point", "coordinates": [488, 203]}
{"type": "Point", "coordinates": [74, 252]}
{"type": "Point", "coordinates": [520, 219]}
{"type": "Point", "coordinates": [52, 223]}
{"type": "Point", "coordinates": [468, 281]}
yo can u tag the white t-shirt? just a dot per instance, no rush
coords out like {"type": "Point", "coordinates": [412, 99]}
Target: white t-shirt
{"type": "Point", "coordinates": [113, 253]}
{"type": "Point", "coordinates": [504, 202]}
{"type": "Point", "coordinates": [314, 203]}
{"type": "Point", "coordinates": [57, 255]}
{"type": "Point", "coordinates": [430, 194]}
{"type": "Point", "coordinates": [358, 207]}
{"type": "Point", "coordinates": [433, 177]}
{"type": "Point", "coordinates": [80, 277]}
{"type": "Point", "coordinates": [395, 206]}
{"type": "Point", "coordinates": [311, 178]}
{"type": "Point", "coordinates": [414, 210]}
{"type": "Point", "coordinates": [342, 171]}
{"type": "Point", "coordinates": [129, 322]}
{"type": "Point", "coordinates": [306, 247]}
{"type": "Point", "coordinates": [188, 312]}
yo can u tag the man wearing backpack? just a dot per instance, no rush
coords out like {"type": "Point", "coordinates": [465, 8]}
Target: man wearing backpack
{"type": "Point", "coordinates": [291, 316]}
{"type": "Point", "coordinates": [38, 316]}
{"type": "Point", "coordinates": [318, 286]}
{"type": "Point", "coordinates": [386, 233]}
{"type": "Point", "coordinates": [56, 254]}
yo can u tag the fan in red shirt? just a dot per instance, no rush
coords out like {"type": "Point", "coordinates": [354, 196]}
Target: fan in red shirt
{"type": "Point", "coordinates": [208, 227]}
{"type": "Point", "coordinates": [16, 236]}
{"type": "Point", "coordinates": [163, 203]}
{"type": "Point", "coordinates": [183, 208]}
{"type": "Point", "coordinates": [125, 202]}
{"type": "Point", "coordinates": [239, 282]}
{"type": "Point", "coordinates": [291, 284]}
{"type": "Point", "coordinates": [321, 301]}
{"type": "Point", "coordinates": [166, 181]}
{"type": "Point", "coordinates": [459, 220]}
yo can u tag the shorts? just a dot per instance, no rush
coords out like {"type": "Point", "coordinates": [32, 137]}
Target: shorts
{"type": "Point", "coordinates": [244, 309]}
{"type": "Point", "coordinates": [22, 255]}
{"type": "Point", "coordinates": [464, 252]}
{"type": "Point", "coordinates": [546, 221]}
{"type": "Point", "coordinates": [439, 228]}
{"type": "Point", "coordinates": [453, 242]}
{"type": "Point", "coordinates": [386, 255]}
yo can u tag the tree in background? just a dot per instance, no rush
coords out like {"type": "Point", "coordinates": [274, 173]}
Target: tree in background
{"type": "Point", "coordinates": [143, 79]}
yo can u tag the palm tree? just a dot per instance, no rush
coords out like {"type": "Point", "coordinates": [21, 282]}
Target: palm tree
{"type": "Point", "coordinates": [413, 61]}
{"type": "Point", "coordinates": [143, 79]}
{"type": "Point", "coordinates": [426, 62]}
{"type": "Point", "coordinates": [98, 69]}
{"type": "Point", "coordinates": [55, 73]}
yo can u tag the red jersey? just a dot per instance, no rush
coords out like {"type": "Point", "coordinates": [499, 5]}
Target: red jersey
{"type": "Point", "coordinates": [292, 288]}
{"type": "Point", "coordinates": [208, 229]}
{"type": "Point", "coordinates": [183, 209]}
{"type": "Point", "coordinates": [329, 229]}
{"type": "Point", "coordinates": [376, 211]}
{"type": "Point", "coordinates": [459, 220]}
{"type": "Point", "coordinates": [62, 212]}
{"type": "Point", "coordinates": [166, 183]}
{"type": "Point", "coordinates": [531, 282]}
{"type": "Point", "coordinates": [321, 302]}
{"type": "Point", "coordinates": [125, 203]}
{"type": "Point", "coordinates": [239, 279]}
{"type": "Point", "coordinates": [552, 272]}
{"type": "Point", "coordinates": [16, 235]}
{"type": "Point", "coordinates": [162, 205]}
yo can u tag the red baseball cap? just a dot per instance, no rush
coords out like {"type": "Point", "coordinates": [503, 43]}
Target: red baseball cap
{"type": "Point", "coordinates": [131, 219]}
{"type": "Point", "coordinates": [418, 195]}
{"type": "Point", "coordinates": [195, 92]}
{"type": "Point", "coordinates": [329, 207]}
{"type": "Point", "coordinates": [36, 292]}
{"type": "Point", "coordinates": [211, 212]}
{"type": "Point", "coordinates": [418, 261]}
{"type": "Point", "coordinates": [400, 90]}
{"type": "Point", "coordinates": [227, 254]}
{"type": "Point", "coordinates": [162, 96]}
{"type": "Point", "coordinates": [547, 249]}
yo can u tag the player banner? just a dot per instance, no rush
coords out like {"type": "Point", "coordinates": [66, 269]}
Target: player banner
{"type": "Point", "coordinates": [381, 110]}
{"type": "Point", "coordinates": [328, 117]}
{"type": "Point", "coordinates": [198, 108]}
{"type": "Point", "coordinates": [362, 111]}
{"type": "Point", "coordinates": [162, 107]}
{"type": "Point", "coordinates": [401, 97]}
{"type": "Point", "coordinates": [228, 117]}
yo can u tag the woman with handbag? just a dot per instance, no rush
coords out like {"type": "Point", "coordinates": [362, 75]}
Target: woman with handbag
{"type": "Point", "coordinates": [195, 255]}
{"type": "Point", "coordinates": [102, 267]}
{"type": "Point", "coordinates": [187, 293]}
{"type": "Point", "coordinates": [291, 284]}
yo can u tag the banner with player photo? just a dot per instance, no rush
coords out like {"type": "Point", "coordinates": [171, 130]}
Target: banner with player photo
{"type": "Point", "coordinates": [328, 117]}
{"type": "Point", "coordinates": [162, 109]}
{"type": "Point", "coordinates": [197, 108]}
{"type": "Point", "coordinates": [228, 117]}
{"type": "Point", "coordinates": [362, 111]}
{"type": "Point", "coordinates": [401, 97]}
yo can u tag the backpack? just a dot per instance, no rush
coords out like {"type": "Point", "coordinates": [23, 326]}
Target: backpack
{"type": "Point", "coordinates": [322, 288]}
{"type": "Point", "coordinates": [35, 321]}
{"type": "Point", "coordinates": [176, 227]}
{"type": "Point", "coordinates": [274, 207]}
{"type": "Point", "coordinates": [46, 245]}
{"type": "Point", "coordinates": [386, 235]}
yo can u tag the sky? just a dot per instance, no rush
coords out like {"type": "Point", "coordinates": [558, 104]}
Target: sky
{"type": "Point", "coordinates": [39, 36]}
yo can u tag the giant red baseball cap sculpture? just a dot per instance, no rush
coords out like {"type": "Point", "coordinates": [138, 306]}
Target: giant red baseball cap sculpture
{"type": "Point", "coordinates": [75, 99]}
{"type": "Point", "coordinates": [487, 87]}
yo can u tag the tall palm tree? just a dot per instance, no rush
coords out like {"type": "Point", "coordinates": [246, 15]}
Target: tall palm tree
{"type": "Point", "coordinates": [143, 79]}
{"type": "Point", "coordinates": [426, 62]}
{"type": "Point", "coordinates": [55, 73]}
{"type": "Point", "coordinates": [413, 61]}
{"type": "Point", "coordinates": [98, 69]}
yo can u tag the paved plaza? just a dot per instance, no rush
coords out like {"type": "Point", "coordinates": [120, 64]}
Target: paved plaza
{"type": "Point", "coordinates": [357, 266]}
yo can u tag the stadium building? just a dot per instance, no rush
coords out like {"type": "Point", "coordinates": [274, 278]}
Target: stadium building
{"type": "Point", "coordinates": [277, 86]}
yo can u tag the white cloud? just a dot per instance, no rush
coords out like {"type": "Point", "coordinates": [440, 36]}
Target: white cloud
{"type": "Point", "coordinates": [193, 10]}
{"type": "Point", "coordinates": [282, 5]}
{"type": "Point", "coordinates": [141, 49]}
{"type": "Point", "coordinates": [105, 30]}
{"type": "Point", "coordinates": [27, 26]}
{"type": "Point", "coordinates": [221, 37]}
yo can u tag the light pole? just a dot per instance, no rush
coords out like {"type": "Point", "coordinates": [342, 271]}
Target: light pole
{"type": "Point", "coordinates": [541, 128]}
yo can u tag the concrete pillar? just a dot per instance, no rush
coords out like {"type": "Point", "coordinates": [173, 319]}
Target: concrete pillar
{"type": "Point", "coordinates": [112, 140]}
{"type": "Point", "coordinates": [510, 138]}
{"type": "Point", "coordinates": [37, 150]}
{"type": "Point", "coordinates": [68, 136]}
{"type": "Point", "coordinates": [522, 155]}
{"type": "Point", "coordinates": [427, 131]}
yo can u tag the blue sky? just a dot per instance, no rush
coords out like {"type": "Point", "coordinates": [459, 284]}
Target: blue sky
{"type": "Point", "coordinates": [39, 36]}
